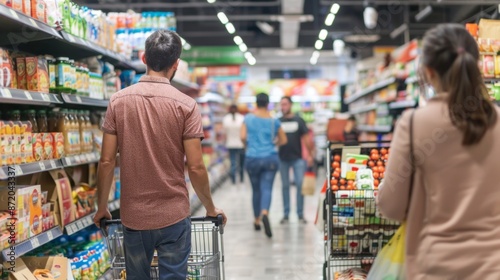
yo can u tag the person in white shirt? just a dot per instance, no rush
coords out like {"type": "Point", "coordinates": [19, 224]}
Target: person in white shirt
{"type": "Point", "coordinates": [232, 123]}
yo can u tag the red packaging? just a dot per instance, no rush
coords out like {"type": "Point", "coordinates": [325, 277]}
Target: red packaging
{"type": "Point", "coordinates": [21, 73]}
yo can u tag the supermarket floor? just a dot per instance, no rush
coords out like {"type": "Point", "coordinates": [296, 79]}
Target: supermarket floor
{"type": "Point", "coordinates": [295, 252]}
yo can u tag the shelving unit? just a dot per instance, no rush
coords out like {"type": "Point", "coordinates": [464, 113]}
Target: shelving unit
{"type": "Point", "coordinates": [25, 97]}
{"type": "Point", "coordinates": [375, 128]}
{"type": "Point", "coordinates": [411, 80]}
{"type": "Point", "coordinates": [363, 109]}
{"type": "Point", "coordinates": [31, 244]}
{"type": "Point", "coordinates": [72, 99]}
{"type": "Point", "coordinates": [403, 104]}
{"type": "Point", "coordinates": [380, 85]}
{"type": "Point", "coordinates": [87, 221]}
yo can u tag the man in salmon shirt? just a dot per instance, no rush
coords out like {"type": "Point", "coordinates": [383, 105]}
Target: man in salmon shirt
{"type": "Point", "coordinates": [154, 126]}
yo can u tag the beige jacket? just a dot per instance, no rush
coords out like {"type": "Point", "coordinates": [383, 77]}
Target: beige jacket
{"type": "Point", "coordinates": [454, 217]}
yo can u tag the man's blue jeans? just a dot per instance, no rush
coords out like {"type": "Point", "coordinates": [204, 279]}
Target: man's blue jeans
{"type": "Point", "coordinates": [261, 172]}
{"type": "Point", "coordinates": [299, 167]}
{"type": "Point", "coordinates": [237, 157]}
{"type": "Point", "coordinates": [173, 244]}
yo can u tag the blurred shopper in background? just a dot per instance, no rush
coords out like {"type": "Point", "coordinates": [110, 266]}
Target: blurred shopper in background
{"type": "Point", "coordinates": [451, 206]}
{"type": "Point", "coordinates": [351, 133]}
{"type": "Point", "coordinates": [262, 135]}
{"type": "Point", "coordinates": [291, 156]}
{"type": "Point", "coordinates": [232, 123]}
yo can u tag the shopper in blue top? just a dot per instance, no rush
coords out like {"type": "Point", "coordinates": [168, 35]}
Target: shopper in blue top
{"type": "Point", "coordinates": [262, 135]}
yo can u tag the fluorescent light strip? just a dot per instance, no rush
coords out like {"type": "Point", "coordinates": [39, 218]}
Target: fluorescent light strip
{"type": "Point", "coordinates": [238, 40]}
{"type": "Point", "coordinates": [230, 28]}
{"type": "Point", "coordinates": [211, 1]}
{"type": "Point", "coordinates": [322, 34]}
{"type": "Point", "coordinates": [335, 8]}
{"type": "Point", "coordinates": [222, 17]}
{"type": "Point", "coordinates": [243, 47]}
{"type": "Point", "coordinates": [318, 45]}
{"type": "Point", "coordinates": [329, 19]}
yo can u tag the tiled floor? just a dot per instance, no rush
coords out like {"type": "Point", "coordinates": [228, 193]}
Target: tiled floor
{"type": "Point", "coordinates": [295, 252]}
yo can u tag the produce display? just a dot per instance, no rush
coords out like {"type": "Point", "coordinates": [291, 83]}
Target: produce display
{"type": "Point", "coordinates": [351, 274]}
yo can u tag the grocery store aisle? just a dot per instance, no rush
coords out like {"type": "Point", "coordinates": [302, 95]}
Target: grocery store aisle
{"type": "Point", "coordinates": [295, 252]}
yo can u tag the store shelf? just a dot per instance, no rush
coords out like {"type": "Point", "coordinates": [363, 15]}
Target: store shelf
{"type": "Point", "coordinates": [30, 168]}
{"type": "Point", "coordinates": [375, 128]}
{"type": "Point", "coordinates": [363, 109]}
{"type": "Point", "coordinates": [403, 104]}
{"type": "Point", "coordinates": [87, 221]}
{"type": "Point", "coordinates": [80, 159]}
{"type": "Point", "coordinates": [24, 97]}
{"type": "Point", "coordinates": [411, 80]}
{"type": "Point", "coordinates": [491, 80]}
{"type": "Point", "coordinates": [380, 85]}
{"type": "Point", "coordinates": [18, 27]}
{"type": "Point", "coordinates": [32, 243]}
{"type": "Point", "coordinates": [84, 101]}
{"type": "Point", "coordinates": [108, 275]}
{"type": "Point", "coordinates": [186, 87]}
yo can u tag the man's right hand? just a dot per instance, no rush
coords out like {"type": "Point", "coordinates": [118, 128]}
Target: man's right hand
{"type": "Point", "coordinates": [216, 212]}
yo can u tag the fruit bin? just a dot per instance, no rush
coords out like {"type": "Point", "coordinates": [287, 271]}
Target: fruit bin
{"type": "Point", "coordinates": [356, 231]}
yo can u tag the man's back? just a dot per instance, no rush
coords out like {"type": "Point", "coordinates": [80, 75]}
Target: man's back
{"type": "Point", "coordinates": [151, 120]}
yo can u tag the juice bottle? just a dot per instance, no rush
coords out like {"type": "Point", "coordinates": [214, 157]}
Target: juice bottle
{"type": "Point", "coordinates": [30, 116]}
{"type": "Point", "coordinates": [75, 133]}
{"type": "Point", "coordinates": [81, 129]}
{"type": "Point", "coordinates": [42, 121]}
{"type": "Point", "coordinates": [63, 126]}
{"type": "Point", "coordinates": [52, 121]}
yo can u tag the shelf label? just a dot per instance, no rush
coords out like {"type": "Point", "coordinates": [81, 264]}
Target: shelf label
{"type": "Point", "coordinates": [50, 235]}
{"type": "Point", "coordinates": [74, 228]}
{"type": "Point", "coordinates": [33, 22]}
{"type": "Point", "coordinates": [53, 164]}
{"type": "Point", "coordinates": [19, 170]}
{"type": "Point", "coordinates": [68, 161]}
{"type": "Point", "coordinates": [45, 97]}
{"type": "Point", "coordinates": [78, 99]}
{"type": "Point", "coordinates": [42, 165]}
{"type": "Point", "coordinates": [28, 95]}
{"type": "Point", "coordinates": [89, 220]}
{"type": "Point", "coordinates": [14, 14]}
{"type": "Point", "coordinates": [34, 243]}
{"type": "Point", "coordinates": [6, 93]}
{"type": "Point", "coordinates": [88, 157]}
{"type": "Point", "coordinates": [80, 225]}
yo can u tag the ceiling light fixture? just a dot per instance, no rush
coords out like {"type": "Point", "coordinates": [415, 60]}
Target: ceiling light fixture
{"type": "Point", "coordinates": [211, 1]}
{"type": "Point", "coordinates": [222, 17]}
{"type": "Point", "coordinates": [243, 47]}
{"type": "Point", "coordinates": [329, 19]}
{"type": "Point", "coordinates": [398, 31]}
{"type": "Point", "coordinates": [187, 46]}
{"type": "Point", "coordinates": [338, 47]}
{"type": "Point", "coordinates": [322, 34]}
{"type": "Point", "coordinates": [370, 17]}
{"type": "Point", "coordinates": [318, 45]}
{"type": "Point", "coordinates": [238, 40]}
{"type": "Point", "coordinates": [230, 28]}
{"type": "Point", "coordinates": [265, 27]}
{"type": "Point", "coordinates": [252, 60]}
{"type": "Point", "coordinates": [248, 55]}
{"type": "Point", "coordinates": [314, 60]}
{"type": "Point", "coordinates": [423, 13]}
{"type": "Point", "coordinates": [335, 8]}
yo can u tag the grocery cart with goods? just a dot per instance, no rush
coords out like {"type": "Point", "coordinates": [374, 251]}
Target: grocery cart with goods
{"type": "Point", "coordinates": [206, 261]}
{"type": "Point", "coordinates": [355, 231]}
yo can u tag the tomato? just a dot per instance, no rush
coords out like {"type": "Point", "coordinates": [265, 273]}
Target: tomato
{"type": "Point", "coordinates": [381, 175]}
{"type": "Point", "coordinates": [343, 181]}
{"type": "Point", "coordinates": [376, 183]}
{"type": "Point", "coordinates": [376, 175]}
{"type": "Point", "coordinates": [342, 187]}
{"type": "Point", "coordinates": [335, 164]}
{"type": "Point", "coordinates": [337, 170]}
{"type": "Point", "coordinates": [334, 182]}
{"type": "Point", "coordinates": [371, 163]}
{"type": "Point", "coordinates": [350, 188]}
{"type": "Point", "coordinates": [365, 162]}
{"type": "Point", "coordinates": [336, 158]}
{"type": "Point", "coordinates": [374, 151]}
{"type": "Point", "coordinates": [335, 188]}
{"type": "Point", "coordinates": [375, 169]}
{"type": "Point", "coordinates": [380, 163]}
{"type": "Point", "coordinates": [386, 157]}
{"type": "Point", "coordinates": [352, 160]}
{"type": "Point", "coordinates": [383, 151]}
{"type": "Point", "coordinates": [381, 169]}
{"type": "Point", "coordinates": [350, 182]}
{"type": "Point", "coordinates": [336, 174]}
{"type": "Point", "coordinates": [375, 157]}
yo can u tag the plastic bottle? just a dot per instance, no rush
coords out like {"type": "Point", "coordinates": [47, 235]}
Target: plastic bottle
{"type": "Point", "coordinates": [81, 130]}
{"type": "Point", "coordinates": [52, 121]}
{"type": "Point", "coordinates": [30, 116]}
{"type": "Point", "coordinates": [75, 129]}
{"type": "Point", "coordinates": [64, 126]}
{"type": "Point", "coordinates": [42, 121]}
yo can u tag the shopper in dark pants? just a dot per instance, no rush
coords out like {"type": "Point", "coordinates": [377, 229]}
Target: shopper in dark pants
{"type": "Point", "coordinates": [155, 127]}
{"type": "Point", "coordinates": [291, 156]}
{"type": "Point", "coordinates": [262, 134]}
{"type": "Point", "coordinates": [232, 123]}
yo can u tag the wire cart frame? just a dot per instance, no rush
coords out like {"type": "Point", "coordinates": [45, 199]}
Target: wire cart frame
{"type": "Point", "coordinates": [206, 260]}
{"type": "Point", "coordinates": [354, 229]}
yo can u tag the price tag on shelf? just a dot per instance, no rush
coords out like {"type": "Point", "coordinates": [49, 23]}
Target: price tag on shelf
{"type": "Point", "coordinates": [88, 157]}
{"type": "Point", "coordinates": [45, 97]}
{"type": "Point", "coordinates": [78, 99]}
{"type": "Point", "coordinates": [117, 204]}
{"type": "Point", "coordinates": [68, 161]}
{"type": "Point", "coordinates": [6, 93]}
{"type": "Point", "coordinates": [50, 235]}
{"type": "Point", "coordinates": [14, 14]}
{"type": "Point", "coordinates": [42, 165]}
{"type": "Point", "coordinates": [34, 242]}
{"type": "Point", "coordinates": [89, 220]}
{"type": "Point", "coordinates": [53, 164]}
{"type": "Point", "coordinates": [19, 170]}
{"type": "Point", "coordinates": [74, 228]}
{"type": "Point", "coordinates": [28, 95]}
{"type": "Point", "coordinates": [81, 225]}
{"type": "Point", "coordinates": [33, 22]}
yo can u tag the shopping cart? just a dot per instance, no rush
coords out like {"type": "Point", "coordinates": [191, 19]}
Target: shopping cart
{"type": "Point", "coordinates": [206, 261]}
{"type": "Point", "coordinates": [354, 230]}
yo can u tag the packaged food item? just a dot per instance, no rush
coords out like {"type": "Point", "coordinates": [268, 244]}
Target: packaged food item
{"type": "Point", "coordinates": [37, 74]}
{"type": "Point", "coordinates": [38, 148]}
{"type": "Point", "coordinates": [6, 69]}
{"type": "Point", "coordinates": [39, 10]}
{"type": "Point", "coordinates": [48, 145]}
{"type": "Point", "coordinates": [21, 73]}
{"type": "Point", "coordinates": [364, 184]}
{"type": "Point", "coordinates": [63, 78]}
{"type": "Point", "coordinates": [52, 74]}
{"type": "Point", "coordinates": [17, 5]}
{"type": "Point", "coordinates": [497, 66]}
{"type": "Point", "coordinates": [364, 174]}
{"type": "Point", "coordinates": [488, 66]}
{"type": "Point", "coordinates": [58, 142]}
{"type": "Point", "coordinates": [28, 204]}
{"type": "Point", "coordinates": [27, 7]}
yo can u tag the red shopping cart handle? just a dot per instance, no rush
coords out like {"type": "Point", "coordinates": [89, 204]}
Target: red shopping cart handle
{"type": "Point", "coordinates": [216, 220]}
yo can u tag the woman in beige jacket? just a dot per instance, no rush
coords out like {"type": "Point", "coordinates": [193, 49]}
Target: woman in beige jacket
{"type": "Point", "coordinates": [453, 211]}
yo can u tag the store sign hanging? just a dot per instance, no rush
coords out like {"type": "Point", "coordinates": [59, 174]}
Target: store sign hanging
{"type": "Point", "coordinates": [198, 56]}
{"type": "Point", "coordinates": [224, 71]}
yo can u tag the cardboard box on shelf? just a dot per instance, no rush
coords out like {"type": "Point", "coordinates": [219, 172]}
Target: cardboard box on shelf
{"type": "Point", "coordinates": [27, 7]}
{"type": "Point", "coordinates": [48, 145]}
{"type": "Point", "coordinates": [22, 82]}
{"type": "Point", "coordinates": [58, 145]}
{"type": "Point", "coordinates": [24, 267]}
{"type": "Point", "coordinates": [58, 186]}
{"type": "Point", "coordinates": [37, 147]}
{"type": "Point", "coordinates": [37, 72]}
{"type": "Point", "coordinates": [39, 10]}
{"type": "Point", "coordinates": [7, 72]}
{"type": "Point", "coordinates": [20, 270]}
{"type": "Point", "coordinates": [17, 5]}
{"type": "Point", "coordinates": [28, 205]}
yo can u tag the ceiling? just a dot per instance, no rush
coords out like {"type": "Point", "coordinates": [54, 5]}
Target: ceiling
{"type": "Point", "coordinates": [197, 20]}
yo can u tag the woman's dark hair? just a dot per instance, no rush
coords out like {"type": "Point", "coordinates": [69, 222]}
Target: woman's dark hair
{"type": "Point", "coordinates": [262, 100]}
{"type": "Point", "coordinates": [453, 53]}
{"type": "Point", "coordinates": [163, 49]}
{"type": "Point", "coordinates": [233, 109]}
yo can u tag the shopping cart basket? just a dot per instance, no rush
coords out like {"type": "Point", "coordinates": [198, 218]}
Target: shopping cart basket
{"type": "Point", "coordinates": [206, 261]}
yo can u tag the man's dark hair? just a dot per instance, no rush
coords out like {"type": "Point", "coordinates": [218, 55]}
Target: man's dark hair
{"type": "Point", "coordinates": [287, 98]}
{"type": "Point", "coordinates": [163, 49]}
{"type": "Point", "coordinates": [262, 100]}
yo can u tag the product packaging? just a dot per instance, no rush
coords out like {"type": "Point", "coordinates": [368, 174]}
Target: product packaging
{"type": "Point", "coordinates": [21, 73]}
{"type": "Point", "coordinates": [48, 145]}
{"type": "Point", "coordinates": [28, 204]}
{"type": "Point", "coordinates": [39, 10]}
{"type": "Point", "coordinates": [17, 5]}
{"type": "Point", "coordinates": [27, 7]}
{"type": "Point", "coordinates": [57, 184]}
{"type": "Point", "coordinates": [488, 66]}
{"type": "Point", "coordinates": [38, 147]}
{"type": "Point", "coordinates": [37, 74]}
{"type": "Point", "coordinates": [6, 73]}
{"type": "Point", "coordinates": [58, 145]}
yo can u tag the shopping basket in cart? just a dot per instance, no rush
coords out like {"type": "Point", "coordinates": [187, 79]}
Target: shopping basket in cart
{"type": "Point", "coordinates": [206, 261]}
{"type": "Point", "coordinates": [355, 230]}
